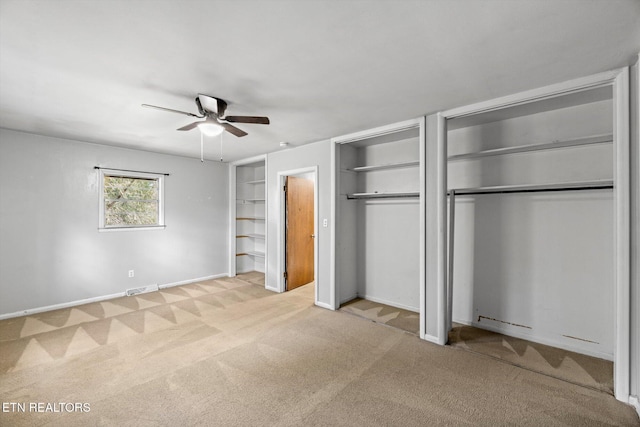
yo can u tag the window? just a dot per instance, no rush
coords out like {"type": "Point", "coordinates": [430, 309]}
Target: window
{"type": "Point", "coordinates": [131, 200]}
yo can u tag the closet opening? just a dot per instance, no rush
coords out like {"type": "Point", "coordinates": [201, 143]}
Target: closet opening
{"type": "Point", "coordinates": [379, 224]}
{"type": "Point", "coordinates": [531, 235]}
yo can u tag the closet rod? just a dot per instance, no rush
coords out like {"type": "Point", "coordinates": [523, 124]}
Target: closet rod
{"type": "Point", "coordinates": [382, 195]}
{"type": "Point", "coordinates": [535, 188]}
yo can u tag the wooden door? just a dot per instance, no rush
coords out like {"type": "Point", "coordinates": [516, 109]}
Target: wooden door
{"type": "Point", "coordinates": [299, 231]}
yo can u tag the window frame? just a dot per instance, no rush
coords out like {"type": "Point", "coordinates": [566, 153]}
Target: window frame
{"type": "Point", "coordinates": [102, 227]}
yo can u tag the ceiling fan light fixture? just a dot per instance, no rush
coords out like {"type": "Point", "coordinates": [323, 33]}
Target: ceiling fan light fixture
{"type": "Point", "coordinates": [210, 129]}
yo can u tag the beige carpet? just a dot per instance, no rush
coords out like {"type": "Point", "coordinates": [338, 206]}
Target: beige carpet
{"type": "Point", "coordinates": [566, 365]}
{"type": "Point", "coordinates": [562, 364]}
{"type": "Point", "coordinates": [381, 313]}
{"type": "Point", "coordinates": [226, 352]}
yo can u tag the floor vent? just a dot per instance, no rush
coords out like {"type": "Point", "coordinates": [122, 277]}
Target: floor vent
{"type": "Point", "coordinates": [142, 290]}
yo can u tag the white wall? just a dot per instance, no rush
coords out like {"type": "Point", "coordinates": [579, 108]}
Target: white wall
{"type": "Point", "coordinates": [346, 219]}
{"type": "Point", "coordinates": [541, 264]}
{"type": "Point", "coordinates": [635, 235]}
{"type": "Point", "coordinates": [316, 154]}
{"type": "Point", "coordinates": [50, 249]}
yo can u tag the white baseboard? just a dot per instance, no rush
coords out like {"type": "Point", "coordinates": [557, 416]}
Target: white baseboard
{"type": "Point", "coordinates": [324, 305]}
{"type": "Point", "coordinates": [349, 298]}
{"type": "Point", "coordinates": [272, 289]}
{"type": "Point", "coordinates": [36, 310]}
{"type": "Point", "coordinates": [539, 340]}
{"type": "Point", "coordinates": [199, 279]}
{"type": "Point", "coordinates": [432, 338]}
{"type": "Point", "coordinates": [391, 303]}
{"type": "Point", "coordinates": [635, 402]}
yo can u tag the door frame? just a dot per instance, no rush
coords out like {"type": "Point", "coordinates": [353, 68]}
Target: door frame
{"type": "Point", "coordinates": [281, 226]}
{"type": "Point", "coordinates": [619, 81]}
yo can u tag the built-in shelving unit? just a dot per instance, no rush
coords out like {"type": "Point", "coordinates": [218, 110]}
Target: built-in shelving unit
{"type": "Point", "coordinates": [250, 194]}
{"type": "Point", "coordinates": [381, 167]}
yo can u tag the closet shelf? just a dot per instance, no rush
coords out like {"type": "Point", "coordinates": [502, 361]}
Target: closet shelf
{"type": "Point", "coordinates": [258, 181]}
{"type": "Point", "coordinates": [384, 195]}
{"type": "Point", "coordinates": [251, 235]}
{"type": "Point", "coordinates": [249, 218]}
{"type": "Point", "coordinates": [596, 139]}
{"type": "Point", "coordinates": [385, 166]}
{"type": "Point", "coordinates": [252, 253]}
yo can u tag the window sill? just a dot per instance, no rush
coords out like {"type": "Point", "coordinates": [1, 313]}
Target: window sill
{"type": "Point", "coordinates": [151, 227]}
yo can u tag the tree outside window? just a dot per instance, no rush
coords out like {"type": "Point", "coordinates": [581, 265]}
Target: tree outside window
{"type": "Point", "coordinates": [131, 201]}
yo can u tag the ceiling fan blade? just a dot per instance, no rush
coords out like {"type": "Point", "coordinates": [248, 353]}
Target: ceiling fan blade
{"type": "Point", "coordinates": [248, 119]}
{"type": "Point", "coordinates": [212, 104]}
{"type": "Point", "coordinates": [190, 126]}
{"type": "Point", "coordinates": [171, 110]}
{"type": "Point", "coordinates": [232, 129]}
{"type": "Point", "coordinates": [199, 104]}
{"type": "Point", "coordinates": [222, 107]}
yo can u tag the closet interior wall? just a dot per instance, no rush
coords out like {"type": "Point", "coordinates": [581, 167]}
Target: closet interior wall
{"type": "Point", "coordinates": [539, 266]}
{"type": "Point", "coordinates": [250, 217]}
{"type": "Point", "coordinates": [378, 239]}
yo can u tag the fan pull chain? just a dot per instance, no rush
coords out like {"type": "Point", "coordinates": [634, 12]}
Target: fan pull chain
{"type": "Point", "coordinates": [201, 147]}
{"type": "Point", "coordinates": [221, 145]}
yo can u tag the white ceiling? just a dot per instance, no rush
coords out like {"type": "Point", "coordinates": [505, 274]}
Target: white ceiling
{"type": "Point", "coordinates": [80, 69]}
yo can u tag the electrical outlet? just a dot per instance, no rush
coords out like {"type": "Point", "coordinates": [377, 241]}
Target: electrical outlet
{"type": "Point", "coordinates": [131, 273]}
{"type": "Point", "coordinates": [325, 222]}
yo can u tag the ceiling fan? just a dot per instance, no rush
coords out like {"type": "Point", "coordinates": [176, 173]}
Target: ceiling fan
{"type": "Point", "coordinates": [212, 110]}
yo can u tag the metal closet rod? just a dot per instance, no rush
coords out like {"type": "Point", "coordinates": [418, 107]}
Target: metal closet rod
{"type": "Point", "coordinates": [534, 188]}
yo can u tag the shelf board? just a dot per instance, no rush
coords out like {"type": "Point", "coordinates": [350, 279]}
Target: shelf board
{"type": "Point", "coordinates": [254, 236]}
{"type": "Point", "coordinates": [252, 253]}
{"type": "Point", "coordinates": [385, 166]}
{"type": "Point", "coordinates": [384, 195]}
{"type": "Point", "coordinates": [249, 218]}
{"type": "Point", "coordinates": [576, 142]}
{"type": "Point", "coordinates": [258, 181]}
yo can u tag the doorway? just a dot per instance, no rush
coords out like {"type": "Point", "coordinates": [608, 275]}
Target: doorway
{"type": "Point", "coordinates": [299, 231]}
{"type": "Point", "coordinates": [298, 228]}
